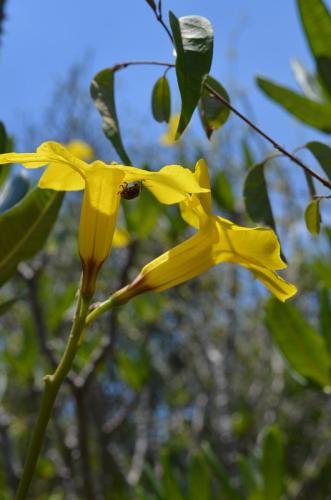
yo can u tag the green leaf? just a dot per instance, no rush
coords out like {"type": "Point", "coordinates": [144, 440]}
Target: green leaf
{"type": "Point", "coordinates": [15, 189]}
{"type": "Point", "coordinates": [316, 22]}
{"type": "Point", "coordinates": [102, 92]}
{"type": "Point", "coordinates": [256, 196]}
{"type": "Point", "coordinates": [301, 345]}
{"type": "Point", "coordinates": [313, 217]}
{"type": "Point", "coordinates": [219, 473]}
{"type": "Point", "coordinates": [152, 482]}
{"type": "Point", "coordinates": [199, 480]}
{"type": "Point", "coordinates": [222, 191]}
{"type": "Point", "coordinates": [251, 479]}
{"type": "Point", "coordinates": [322, 153]}
{"type": "Point", "coordinates": [307, 81]}
{"type": "Point", "coordinates": [5, 306]}
{"type": "Point", "coordinates": [161, 104]}
{"type": "Point", "coordinates": [213, 113]}
{"type": "Point", "coordinates": [3, 383]}
{"type": "Point", "coordinates": [171, 484]}
{"type": "Point", "coordinates": [193, 38]}
{"type": "Point", "coordinates": [4, 148]}
{"type": "Point", "coordinates": [247, 153]}
{"type": "Point", "coordinates": [272, 463]}
{"type": "Point", "coordinates": [313, 113]}
{"type": "Point", "coordinates": [25, 228]}
{"type": "Point", "coordinates": [142, 214]}
{"type": "Point", "coordinates": [325, 317]}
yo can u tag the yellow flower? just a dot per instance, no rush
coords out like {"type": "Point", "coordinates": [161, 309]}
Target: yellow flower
{"type": "Point", "coordinates": [168, 138]}
{"type": "Point", "coordinates": [103, 184]}
{"type": "Point", "coordinates": [217, 240]}
{"type": "Point", "coordinates": [121, 237]}
{"type": "Point", "coordinates": [81, 149]}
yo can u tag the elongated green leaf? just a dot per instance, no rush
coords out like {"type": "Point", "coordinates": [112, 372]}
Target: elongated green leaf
{"type": "Point", "coordinates": [316, 22]}
{"type": "Point", "coordinates": [25, 228]}
{"type": "Point", "coordinates": [102, 92]}
{"type": "Point", "coordinates": [251, 480]}
{"type": "Point", "coordinates": [193, 37]}
{"type": "Point", "coordinates": [307, 81]}
{"type": "Point", "coordinates": [161, 105]}
{"type": "Point", "coordinates": [325, 317]}
{"type": "Point", "coordinates": [213, 113]}
{"type": "Point", "coordinates": [153, 483]}
{"type": "Point", "coordinates": [313, 217]}
{"type": "Point", "coordinates": [301, 345]}
{"type": "Point", "coordinates": [4, 148]}
{"type": "Point", "coordinates": [228, 490]}
{"type": "Point", "coordinates": [199, 480]}
{"type": "Point", "coordinates": [313, 113]}
{"type": "Point", "coordinates": [256, 196]}
{"type": "Point", "coordinates": [272, 463]}
{"type": "Point", "coordinates": [171, 484]}
{"type": "Point", "coordinates": [322, 153]}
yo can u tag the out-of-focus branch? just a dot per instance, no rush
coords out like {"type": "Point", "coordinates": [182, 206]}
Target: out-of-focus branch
{"type": "Point", "coordinates": [2, 14]}
{"type": "Point", "coordinates": [141, 444]}
{"type": "Point", "coordinates": [7, 453]}
{"type": "Point", "coordinates": [30, 276]}
{"type": "Point", "coordinates": [83, 442]}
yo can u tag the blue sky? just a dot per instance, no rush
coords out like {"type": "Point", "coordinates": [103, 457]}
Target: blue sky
{"type": "Point", "coordinates": [42, 39]}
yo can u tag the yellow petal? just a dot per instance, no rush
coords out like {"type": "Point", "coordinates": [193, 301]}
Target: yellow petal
{"type": "Point", "coordinates": [168, 139]}
{"type": "Point", "coordinates": [29, 160]}
{"type": "Point", "coordinates": [217, 241]}
{"type": "Point", "coordinates": [280, 288]}
{"type": "Point", "coordinates": [182, 263]}
{"type": "Point", "coordinates": [121, 237]}
{"type": "Point", "coordinates": [65, 172]}
{"type": "Point", "coordinates": [196, 208]}
{"type": "Point", "coordinates": [98, 216]}
{"type": "Point", "coordinates": [242, 245]}
{"type": "Point", "coordinates": [202, 176]}
{"type": "Point", "coordinates": [80, 149]}
{"type": "Point", "coordinates": [169, 185]}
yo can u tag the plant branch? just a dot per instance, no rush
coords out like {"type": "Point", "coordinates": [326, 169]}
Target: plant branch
{"type": "Point", "coordinates": [159, 17]}
{"type": "Point", "coordinates": [123, 65]}
{"type": "Point", "coordinates": [275, 144]}
{"type": "Point", "coordinates": [52, 385]}
{"type": "Point", "coordinates": [80, 409]}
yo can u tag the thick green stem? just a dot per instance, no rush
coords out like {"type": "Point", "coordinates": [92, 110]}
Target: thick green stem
{"type": "Point", "coordinates": [52, 385]}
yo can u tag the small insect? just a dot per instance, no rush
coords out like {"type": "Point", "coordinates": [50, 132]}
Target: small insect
{"type": "Point", "coordinates": [130, 192]}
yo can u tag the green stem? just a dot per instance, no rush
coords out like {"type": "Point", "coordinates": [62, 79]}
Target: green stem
{"type": "Point", "coordinates": [52, 385]}
{"type": "Point", "coordinates": [100, 308]}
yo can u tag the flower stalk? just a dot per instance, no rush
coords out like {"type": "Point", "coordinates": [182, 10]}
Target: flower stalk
{"type": "Point", "coordinates": [53, 383]}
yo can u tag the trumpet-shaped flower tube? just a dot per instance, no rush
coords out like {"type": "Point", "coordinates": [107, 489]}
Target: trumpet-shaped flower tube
{"type": "Point", "coordinates": [102, 184]}
{"type": "Point", "coordinates": [217, 240]}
